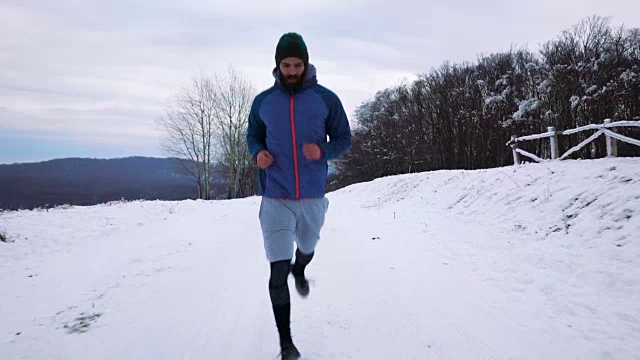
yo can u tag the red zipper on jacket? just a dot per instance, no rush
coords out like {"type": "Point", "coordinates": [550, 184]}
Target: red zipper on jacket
{"type": "Point", "coordinates": [295, 149]}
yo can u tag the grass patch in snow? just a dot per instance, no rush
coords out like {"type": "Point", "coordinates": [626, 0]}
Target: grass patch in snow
{"type": "Point", "coordinates": [3, 236]}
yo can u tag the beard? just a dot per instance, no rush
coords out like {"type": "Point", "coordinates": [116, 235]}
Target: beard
{"type": "Point", "coordinates": [291, 82]}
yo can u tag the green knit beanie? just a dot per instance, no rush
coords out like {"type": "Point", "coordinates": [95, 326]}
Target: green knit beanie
{"type": "Point", "coordinates": [291, 45]}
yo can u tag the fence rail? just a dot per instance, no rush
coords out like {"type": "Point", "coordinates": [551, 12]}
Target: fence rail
{"type": "Point", "coordinates": [552, 134]}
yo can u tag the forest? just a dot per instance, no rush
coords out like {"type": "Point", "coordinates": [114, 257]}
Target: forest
{"type": "Point", "coordinates": [461, 116]}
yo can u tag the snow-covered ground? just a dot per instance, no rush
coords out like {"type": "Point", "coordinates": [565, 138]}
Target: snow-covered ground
{"type": "Point", "coordinates": [535, 262]}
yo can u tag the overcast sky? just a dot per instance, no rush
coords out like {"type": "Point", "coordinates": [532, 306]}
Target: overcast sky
{"type": "Point", "coordinates": [88, 78]}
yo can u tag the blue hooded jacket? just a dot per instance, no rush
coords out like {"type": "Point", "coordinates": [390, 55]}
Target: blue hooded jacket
{"type": "Point", "coordinates": [282, 121]}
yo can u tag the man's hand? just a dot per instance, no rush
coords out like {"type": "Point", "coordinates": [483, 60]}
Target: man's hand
{"type": "Point", "coordinates": [264, 159]}
{"type": "Point", "coordinates": [312, 151]}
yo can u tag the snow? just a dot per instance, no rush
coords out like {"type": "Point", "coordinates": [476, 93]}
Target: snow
{"type": "Point", "coordinates": [532, 66]}
{"type": "Point", "coordinates": [575, 101]}
{"type": "Point", "coordinates": [525, 108]}
{"type": "Point", "coordinates": [549, 115]}
{"type": "Point", "coordinates": [494, 99]}
{"type": "Point", "coordinates": [628, 76]}
{"type": "Point", "coordinates": [592, 89]}
{"type": "Point", "coordinates": [544, 86]}
{"type": "Point", "coordinates": [538, 261]}
{"type": "Point", "coordinates": [501, 82]}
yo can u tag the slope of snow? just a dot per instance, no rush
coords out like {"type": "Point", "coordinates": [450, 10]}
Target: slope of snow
{"type": "Point", "coordinates": [532, 262]}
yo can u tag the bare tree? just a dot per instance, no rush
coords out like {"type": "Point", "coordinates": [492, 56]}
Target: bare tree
{"type": "Point", "coordinates": [234, 95]}
{"type": "Point", "coordinates": [206, 122]}
{"type": "Point", "coordinates": [188, 127]}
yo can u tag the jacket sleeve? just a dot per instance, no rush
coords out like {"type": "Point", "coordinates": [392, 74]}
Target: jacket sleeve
{"type": "Point", "coordinates": [256, 131]}
{"type": "Point", "coordinates": [338, 129]}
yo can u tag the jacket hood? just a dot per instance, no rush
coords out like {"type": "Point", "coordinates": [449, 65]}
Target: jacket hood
{"type": "Point", "coordinates": [308, 80]}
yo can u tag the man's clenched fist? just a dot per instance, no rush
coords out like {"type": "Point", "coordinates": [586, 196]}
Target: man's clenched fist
{"type": "Point", "coordinates": [264, 159]}
{"type": "Point", "coordinates": [312, 151]}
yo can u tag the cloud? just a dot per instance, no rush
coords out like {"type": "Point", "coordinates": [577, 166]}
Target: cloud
{"type": "Point", "coordinates": [102, 71]}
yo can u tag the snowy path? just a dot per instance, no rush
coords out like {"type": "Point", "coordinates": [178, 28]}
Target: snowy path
{"type": "Point", "coordinates": [390, 280]}
{"type": "Point", "coordinates": [428, 294]}
{"type": "Point", "coordinates": [167, 294]}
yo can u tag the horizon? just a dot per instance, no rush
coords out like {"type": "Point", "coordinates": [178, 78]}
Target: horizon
{"type": "Point", "coordinates": [110, 70]}
{"type": "Point", "coordinates": [85, 158]}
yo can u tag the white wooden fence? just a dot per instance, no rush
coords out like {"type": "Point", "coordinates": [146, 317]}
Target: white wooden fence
{"type": "Point", "coordinates": [552, 134]}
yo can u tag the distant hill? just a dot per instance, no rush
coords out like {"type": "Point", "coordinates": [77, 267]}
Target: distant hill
{"type": "Point", "coordinates": [81, 181]}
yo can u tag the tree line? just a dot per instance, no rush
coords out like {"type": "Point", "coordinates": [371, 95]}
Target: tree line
{"type": "Point", "coordinates": [460, 116]}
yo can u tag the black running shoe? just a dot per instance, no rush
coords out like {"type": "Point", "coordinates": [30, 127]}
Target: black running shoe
{"type": "Point", "coordinates": [290, 352]}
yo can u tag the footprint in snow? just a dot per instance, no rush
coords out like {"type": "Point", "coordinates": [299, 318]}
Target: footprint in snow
{"type": "Point", "coordinates": [82, 323]}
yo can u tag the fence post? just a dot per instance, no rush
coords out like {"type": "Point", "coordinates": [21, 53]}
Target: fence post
{"type": "Point", "coordinates": [612, 143]}
{"type": "Point", "coordinates": [554, 143]}
{"type": "Point", "coordinates": [514, 147]}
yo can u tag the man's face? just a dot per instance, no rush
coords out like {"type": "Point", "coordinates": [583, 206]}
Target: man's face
{"type": "Point", "coordinates": [291, 70]}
